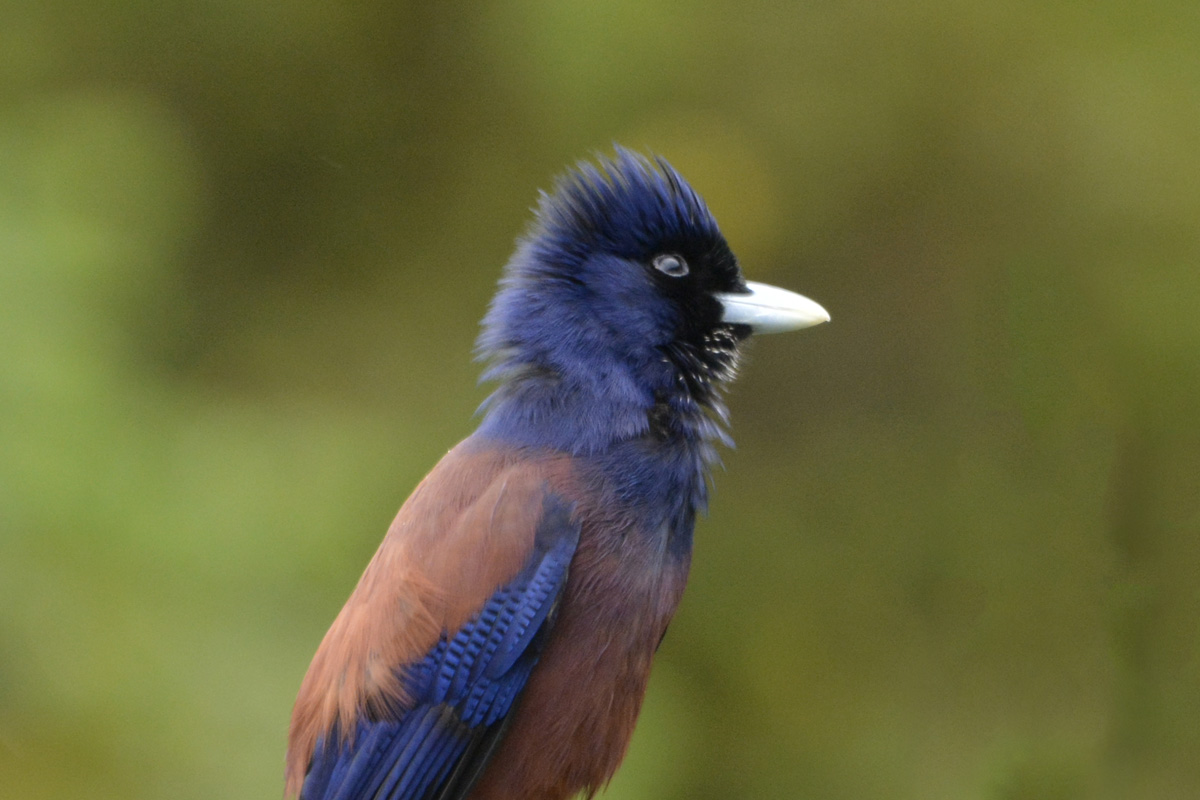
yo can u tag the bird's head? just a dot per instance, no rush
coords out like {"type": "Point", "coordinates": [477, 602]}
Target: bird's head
{"type": "Point", "coordinates": [624, 286]}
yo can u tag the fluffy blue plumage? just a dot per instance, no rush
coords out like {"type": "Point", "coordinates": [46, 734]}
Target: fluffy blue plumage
{"type": "Point", "coordinates": [595, 350]}
{"type": "Point", "coordinates": [627, 205]}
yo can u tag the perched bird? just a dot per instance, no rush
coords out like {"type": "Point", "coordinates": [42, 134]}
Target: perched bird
{"type": "Point", "coordinates": [499, 643]}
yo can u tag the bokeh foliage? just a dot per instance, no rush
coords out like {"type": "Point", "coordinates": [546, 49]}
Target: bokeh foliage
{"type": "Point", "coordinates": [243, 252]}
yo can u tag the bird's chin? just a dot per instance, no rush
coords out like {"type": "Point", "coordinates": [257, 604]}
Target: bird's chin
{"type": "Point", "coordinates": [739, 331]}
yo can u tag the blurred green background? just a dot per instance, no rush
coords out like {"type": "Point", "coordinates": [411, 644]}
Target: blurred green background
{"type": "Point", "coordinates": [243, 253]}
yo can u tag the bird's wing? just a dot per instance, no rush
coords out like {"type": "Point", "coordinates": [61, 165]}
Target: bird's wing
{"type": "Point", "coordinates": [430, 737]}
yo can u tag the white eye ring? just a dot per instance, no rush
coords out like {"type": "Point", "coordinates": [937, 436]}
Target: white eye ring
{"type": "Point", "coordinates": [671, 264]}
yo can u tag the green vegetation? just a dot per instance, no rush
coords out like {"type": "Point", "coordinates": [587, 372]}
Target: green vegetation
{"type": "Point", "coordinates": [244, 250]}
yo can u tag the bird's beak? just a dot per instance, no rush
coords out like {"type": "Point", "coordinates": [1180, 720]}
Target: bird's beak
{"type": "Point", "coordinates": [769, 309]}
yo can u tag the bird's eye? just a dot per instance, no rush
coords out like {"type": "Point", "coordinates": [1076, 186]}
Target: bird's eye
{"type": "Point", "coordinates": [671, 265]}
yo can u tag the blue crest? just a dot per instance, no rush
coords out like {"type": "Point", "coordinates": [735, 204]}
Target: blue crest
{"type": "Point", "coordinates": [627, 205]}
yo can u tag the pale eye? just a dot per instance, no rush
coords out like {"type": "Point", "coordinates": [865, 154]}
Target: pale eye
{"type": "Point", "coordinates": [671, 265]}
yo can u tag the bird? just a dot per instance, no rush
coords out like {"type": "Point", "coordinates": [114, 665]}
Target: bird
{"type": "Point", "coordinates": [499, 643]}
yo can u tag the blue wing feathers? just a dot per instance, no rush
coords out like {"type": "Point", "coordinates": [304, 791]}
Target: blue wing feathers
{"type": "Point", "coordinates": [461, 692]}
{"type": "Point", "coordinates": [542, 596]}
{"type": "Point", "coordinates": [430, 757]}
